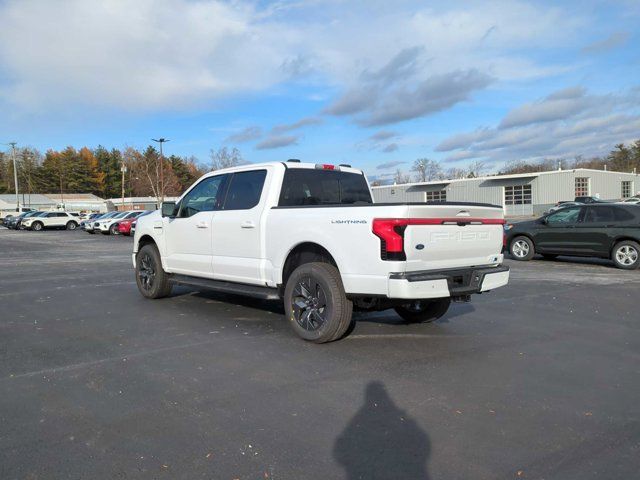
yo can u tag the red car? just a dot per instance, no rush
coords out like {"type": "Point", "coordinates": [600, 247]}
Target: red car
{"type": "Point", "coordinates": [124, 226]}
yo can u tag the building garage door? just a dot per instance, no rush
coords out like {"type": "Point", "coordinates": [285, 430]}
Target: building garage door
{"type": "Point", "coordinates": [517, 200]}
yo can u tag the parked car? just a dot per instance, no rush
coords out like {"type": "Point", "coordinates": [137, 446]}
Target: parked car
{"type": "Point", "coordinates": [16, 222]}
{"type": "Point", "coordinates": [631, 201]}
{"type": "Point", "coordinates": [588, 199]}
{"type": "Point", "coordinates": [560, 205]}
{"type": "Point", "coordinates": [132, 230]}
{"type": "Point", "coordinates": [124, 225]}
{"type": "Point", "coordinates": [88, 225]}
{"type": "Point", "coordinates": [312, 236]}
{"type": "Point", "coordinates": [604, 230]}
{"type": "Point", "coordinates": [13, 220]}
{"type": "Point", "coordinates": [51, 220]}
{"type": "Point", "coordinates": [109, 226]}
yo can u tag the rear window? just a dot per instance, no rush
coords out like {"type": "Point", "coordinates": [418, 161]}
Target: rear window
{"type": "Point", "coordinates": [303, 186]}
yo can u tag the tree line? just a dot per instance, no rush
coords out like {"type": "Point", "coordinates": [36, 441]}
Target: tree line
{"type": "Point", "coordinates": [99, 171]}
{"type": "Point", "coordinates": [623, 158]}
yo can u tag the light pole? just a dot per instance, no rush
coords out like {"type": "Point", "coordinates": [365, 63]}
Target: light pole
{"type": "Point", "coordinates": [161, 141]}
{"type": "Point", "coordinates": [15, 173]}
{"type": "Point", "coordinates": [123, 169]}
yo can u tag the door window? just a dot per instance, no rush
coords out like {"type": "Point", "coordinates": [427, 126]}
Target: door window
{"type": "Point", "coordinates": [517, 195]}
{"type": "Point", "coordinates": [206, 196]}
{"type": "Point", "coordinates": [245, 190]}
{"type": "Point", "coordinates": [582, 186]}
{"type": "Point", "coordinates": [564, 216]}
{"type": "Point", "coordinates": [437, 196]}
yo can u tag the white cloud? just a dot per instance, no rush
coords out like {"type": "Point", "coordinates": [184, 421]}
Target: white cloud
{"type": "Point", "coordinates": [151, 55]}
{"type": "Point", "coordinates": [553, 128]}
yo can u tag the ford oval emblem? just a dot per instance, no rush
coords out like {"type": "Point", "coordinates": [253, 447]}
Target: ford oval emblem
{"type": "Point", "coordinates": [419, 246]}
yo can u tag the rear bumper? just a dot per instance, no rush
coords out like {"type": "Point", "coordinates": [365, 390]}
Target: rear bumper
{"type": "Point", "coordinates": [446, 283]}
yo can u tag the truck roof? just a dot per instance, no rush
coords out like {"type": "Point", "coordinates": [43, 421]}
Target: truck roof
{"type": "Point", "coordinates": [288, 164]}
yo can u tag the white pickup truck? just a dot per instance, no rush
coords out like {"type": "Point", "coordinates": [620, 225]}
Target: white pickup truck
{"type": "Point", "coordinates": [311, 235]}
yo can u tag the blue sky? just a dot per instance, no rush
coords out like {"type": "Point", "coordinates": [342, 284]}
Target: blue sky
{"type": "Point", "coordinates": [376, 84]}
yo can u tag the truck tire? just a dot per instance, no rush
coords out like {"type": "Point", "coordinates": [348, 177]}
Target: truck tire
{"type": "Point", "coordinates": [423, 311]}
{"type": "Point", "coordinates": [37, 226]}
{"type": "Point", "coordinates": [626, 255]}
{"type": "Point", "coordinates": [151, 279]}
{"type": "Point", "coordinates": [521, 248]}
{"type": "Point", "coordinates": [315, 303]}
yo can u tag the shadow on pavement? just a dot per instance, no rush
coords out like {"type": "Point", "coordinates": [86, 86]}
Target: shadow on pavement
{"type": "Point", "coordinates": [382, 442]}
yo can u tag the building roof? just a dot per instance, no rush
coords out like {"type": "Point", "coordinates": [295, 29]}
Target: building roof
{"type": "Point", "coordinates": [33, 199]}
{"type": "Point", "coordinates": [69, 197]}
{"type": "Point", "coordinates": [501, 177]}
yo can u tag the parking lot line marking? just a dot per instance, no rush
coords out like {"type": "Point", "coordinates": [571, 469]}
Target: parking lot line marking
{"type": "Point", "coordinates": [93, 363]}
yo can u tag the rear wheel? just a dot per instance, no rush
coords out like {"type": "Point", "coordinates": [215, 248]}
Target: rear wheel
{"type": "Point", "coordinates": [72, 225]}
{"type": "Point", "coordinates": [626, 255]}
{"type": "Point", "coordinates": [37, 226]}
{"type": "Point", "coordinates": [315, 303]}
{"type": "Point", "coordinates": [151, 279]}
{"type": "Point", "coordinates": [423, 311]}
{"type": "Point", "coordinates": [521, 248]}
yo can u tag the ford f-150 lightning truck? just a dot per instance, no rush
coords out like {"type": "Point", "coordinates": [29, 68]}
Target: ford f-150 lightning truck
{"type": "Point", "coordinates": [311, 236]}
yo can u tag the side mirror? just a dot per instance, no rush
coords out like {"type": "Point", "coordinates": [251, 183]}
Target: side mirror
{"type": "Point", "coordinates": [168, 209]}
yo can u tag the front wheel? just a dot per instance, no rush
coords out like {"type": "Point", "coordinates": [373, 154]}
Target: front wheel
{"type": "Point", "coordinates": [522, 248]}
{"type": "Point", "coordinates": [151, 279]}
{"type": "Point", "coordinates": [315, 303]}
{"type": "Point", "coordinates": [423, 311]}
{"type": "Point", "coordinates": [626, 255]}
{"type": "Point", "coordinates": [113, 229]}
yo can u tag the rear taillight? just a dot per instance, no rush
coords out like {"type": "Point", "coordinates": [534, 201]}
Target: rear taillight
{"type": "Point", "coordinates": [391, 231]}
{"type": "Point", "coordinates": [391, 234]}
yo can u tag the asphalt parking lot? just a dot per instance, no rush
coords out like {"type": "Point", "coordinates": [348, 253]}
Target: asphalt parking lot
{"type": "Point", "coordinates": [538, 380]}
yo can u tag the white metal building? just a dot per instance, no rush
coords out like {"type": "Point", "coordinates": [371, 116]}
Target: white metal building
{"type": "Point", "coordinates": [518, 194]}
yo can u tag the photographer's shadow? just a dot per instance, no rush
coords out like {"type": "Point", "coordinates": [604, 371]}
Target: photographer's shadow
{"type": "Point", "coordinates": [382, 442]}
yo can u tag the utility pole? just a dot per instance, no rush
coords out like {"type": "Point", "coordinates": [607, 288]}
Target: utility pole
{"type": "Point", "coordinates": [15, 173]}
{"type": "Point", "coordinates": [161, 141]}
{"type": "Point", "coordinates": [123, 169]}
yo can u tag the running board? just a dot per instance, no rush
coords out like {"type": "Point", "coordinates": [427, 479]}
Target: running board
{"type": "Point", "coordinates": [256, 291]}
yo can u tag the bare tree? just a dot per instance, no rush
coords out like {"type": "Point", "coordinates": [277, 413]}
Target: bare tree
{"type": "Point", "coordinates": [420, 167]}
{"type": "Point", "coordinates": [454, 173]}
{"type": "Point", "coordinates": [225, 158]}
{"type": "Point", "coordinates": [476, 168]}
{"type": "Point", "coordinates": [427, 170]}
{"type": "Point", "coordinates": [400, 177]}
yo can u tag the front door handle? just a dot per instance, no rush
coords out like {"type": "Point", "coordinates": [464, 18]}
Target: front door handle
{"type": "Point", "coordinates": [248, 224]}
{"type": "Point", "coordinates": [202, 225]}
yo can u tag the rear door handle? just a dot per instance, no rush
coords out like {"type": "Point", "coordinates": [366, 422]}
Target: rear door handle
{"type": "Point", "coordinates": [248, 224]}
{"type": "Point", "coordinates": [202, 225]}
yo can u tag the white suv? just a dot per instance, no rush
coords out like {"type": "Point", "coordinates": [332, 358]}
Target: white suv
{"type": "Point", "coordinates": [51, 220]}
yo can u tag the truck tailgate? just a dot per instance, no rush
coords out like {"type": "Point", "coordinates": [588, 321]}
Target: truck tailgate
{"type": "Point", "coordinates": [453, 236]}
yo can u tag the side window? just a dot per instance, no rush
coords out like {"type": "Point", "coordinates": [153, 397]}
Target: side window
{"type": "Point", "coordinates": [204, 197]}
{"type": "Point", "coordinates": [600, 215]}
{"type": "Point", "coordinates": [564, 216]}
{"type": "Point", "coordinates": [245, 190]}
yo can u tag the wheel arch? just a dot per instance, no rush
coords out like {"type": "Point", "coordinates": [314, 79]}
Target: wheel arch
{"type": "Point", "coordinates": [304, 252]}
{"type": "Point", "coordinates": [146, 239]}
{"type": "Point", "coordinates": [621, 238]}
